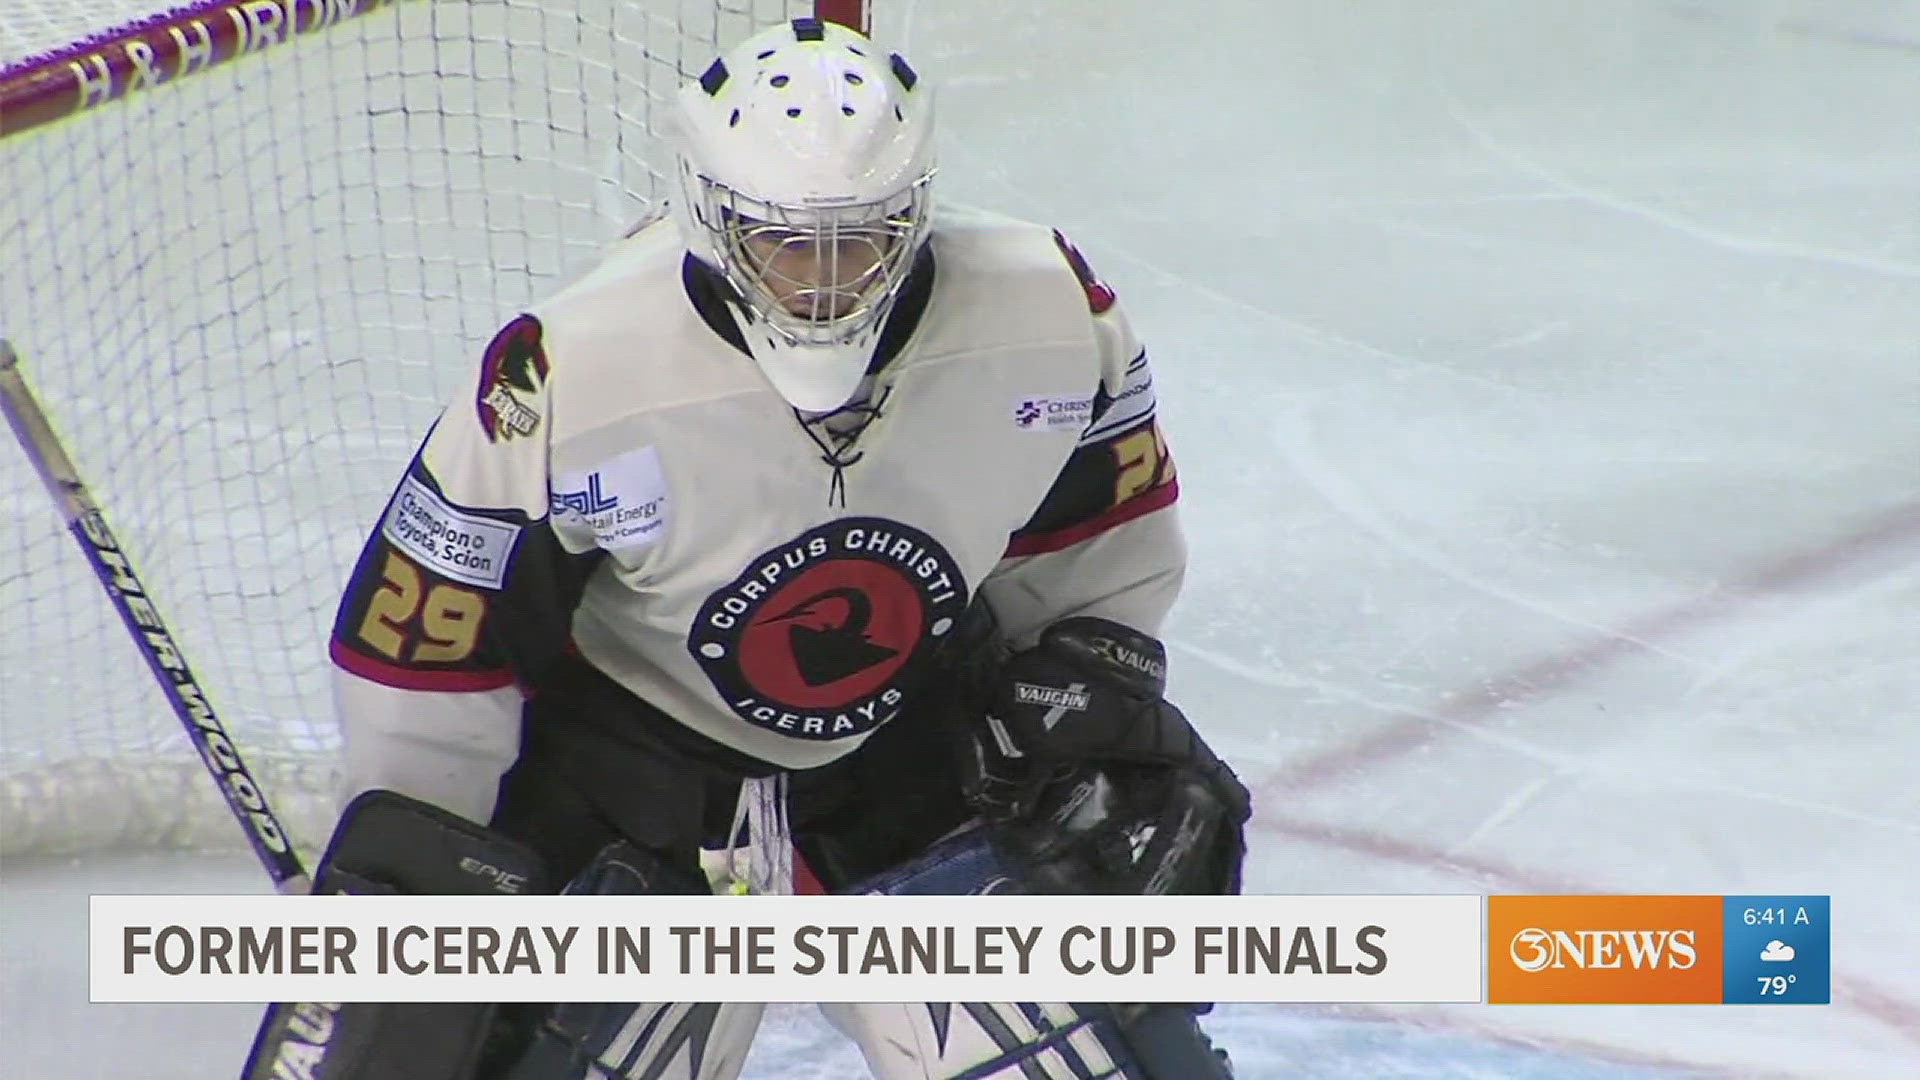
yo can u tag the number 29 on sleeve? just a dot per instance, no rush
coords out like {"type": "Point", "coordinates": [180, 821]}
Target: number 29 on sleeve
{"type": "Point", "coordinates": [445, 619]}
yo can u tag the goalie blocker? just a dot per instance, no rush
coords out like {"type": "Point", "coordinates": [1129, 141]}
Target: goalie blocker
{"type": "Point", "coordinates": [389, 844]}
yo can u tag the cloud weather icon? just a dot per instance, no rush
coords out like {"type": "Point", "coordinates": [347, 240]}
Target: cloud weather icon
{"type": "Point", "coordinates": [1777, 950]}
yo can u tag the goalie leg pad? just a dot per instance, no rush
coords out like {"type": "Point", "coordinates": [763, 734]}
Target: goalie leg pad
{"type": "Point", "coordinates": [1029, 1041]}
{"type": "Point", "coordinates": [980, 1041]}
{"type": "Point", "coordinates": [1020, 1040]}
{"type": "Point", "coordinates": [612, 1041]}
{"type": "Point", "coordinates": [388, 844]}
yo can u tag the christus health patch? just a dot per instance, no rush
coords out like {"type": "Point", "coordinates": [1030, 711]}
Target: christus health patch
{"type": "Point", "coordinates": [454, 543]}
{"type": "Point", "coordinates": [1061, 413]}
{"type": "Point", "coordinates": [623, 500]}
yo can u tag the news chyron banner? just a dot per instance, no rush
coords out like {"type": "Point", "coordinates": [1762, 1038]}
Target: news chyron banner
{"type": "Point", "coordinates": [785, 948]}
{"type": "Point", "coordinates": [1676, 950]}
{"type": "Point", "coordinates": [1596, 950]}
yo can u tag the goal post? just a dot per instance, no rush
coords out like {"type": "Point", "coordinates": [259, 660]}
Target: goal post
{"type": "Point", "coordinates": [247, 250]}
{"type": "Point", "coordinates": [150, 52]}
{"type": "Point", "coordinates": [146, 53]}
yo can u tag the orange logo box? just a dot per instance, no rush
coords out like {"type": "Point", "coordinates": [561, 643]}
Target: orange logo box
{"type": "Point", "coordinates": [1603, 950]}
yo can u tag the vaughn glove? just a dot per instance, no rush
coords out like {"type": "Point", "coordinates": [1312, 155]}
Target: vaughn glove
{"type": "Point", "coordinates": [1092, 780]}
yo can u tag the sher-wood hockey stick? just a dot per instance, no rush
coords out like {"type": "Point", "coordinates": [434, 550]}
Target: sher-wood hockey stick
{"type": "Point", "coordinates": [89, 528]}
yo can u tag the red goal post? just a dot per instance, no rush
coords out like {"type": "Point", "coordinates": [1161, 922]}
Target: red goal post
{"type": "Point", "coordinates": [149, 52]}
{"type": "Point", "coordinates": [247, 250]}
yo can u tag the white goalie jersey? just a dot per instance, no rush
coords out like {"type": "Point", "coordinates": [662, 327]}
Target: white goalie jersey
{"type": "Point", "coordinates": [621, 482]}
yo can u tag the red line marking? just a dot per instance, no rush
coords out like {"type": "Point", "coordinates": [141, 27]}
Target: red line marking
{"type": "Point", "coordinates": [1552, 673]}
{"type": "Point", "coordinates": [1407, 733]}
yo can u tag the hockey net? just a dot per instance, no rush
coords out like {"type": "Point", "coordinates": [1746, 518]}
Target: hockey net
{"type": "Point", "coordinates": [247, 250]}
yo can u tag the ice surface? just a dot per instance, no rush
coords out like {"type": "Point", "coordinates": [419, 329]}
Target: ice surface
{"type": "Point", "coordinates": [1545, 379]}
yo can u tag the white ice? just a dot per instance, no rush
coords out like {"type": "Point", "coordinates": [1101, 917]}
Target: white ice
{"type": "Point", "coordinates": [1545, 382]}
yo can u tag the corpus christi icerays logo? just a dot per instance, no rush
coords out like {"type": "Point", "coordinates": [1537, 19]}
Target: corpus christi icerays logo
{"type": "Point", "coordinates": [819, 637]}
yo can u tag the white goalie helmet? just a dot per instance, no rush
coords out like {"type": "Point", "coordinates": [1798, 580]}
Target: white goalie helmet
{"type": "Point", "coordinates": [804, 157]}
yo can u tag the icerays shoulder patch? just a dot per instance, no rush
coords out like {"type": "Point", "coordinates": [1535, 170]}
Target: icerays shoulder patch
{"type": "Point", "coordinates": [515, 364]}
{"type": "Point", "coordinates": [1099, 296]}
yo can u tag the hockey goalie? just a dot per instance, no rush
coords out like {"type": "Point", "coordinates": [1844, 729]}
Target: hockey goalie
{"type": "Point", "coordinates": [815, 528]}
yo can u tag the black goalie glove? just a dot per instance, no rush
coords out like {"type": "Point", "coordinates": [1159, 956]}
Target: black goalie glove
{"type": "Point", "coordinates": [1095, 783]}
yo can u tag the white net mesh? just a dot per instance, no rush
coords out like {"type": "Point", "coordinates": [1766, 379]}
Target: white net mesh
{"type": "Point", "coordinates": [241, 296]}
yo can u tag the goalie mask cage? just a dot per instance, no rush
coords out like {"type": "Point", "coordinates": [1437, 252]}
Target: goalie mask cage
{"type": "Point", "coordinates": [248, 249]}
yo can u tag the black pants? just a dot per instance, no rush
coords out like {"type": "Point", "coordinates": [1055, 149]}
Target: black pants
{"type": "Point", "coordinates": [598, 764]}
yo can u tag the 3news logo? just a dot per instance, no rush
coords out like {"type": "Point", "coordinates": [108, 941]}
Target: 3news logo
{"type": "Point", "coordinates": [1603, 949]}
{"type": "Point", "coordinates": [1534, 949]}
{"type": "Point", "coordinates": [1700, 950]}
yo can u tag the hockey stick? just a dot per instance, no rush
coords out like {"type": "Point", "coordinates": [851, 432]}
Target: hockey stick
{"type": "Point", "coordinates": [89, 528]}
